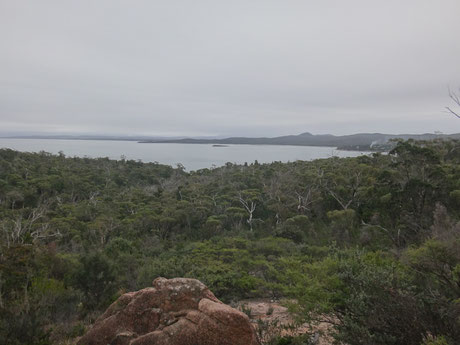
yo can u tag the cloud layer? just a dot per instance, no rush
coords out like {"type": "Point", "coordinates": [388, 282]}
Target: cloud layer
{"type": "Point", "coordinates": [228, 67]}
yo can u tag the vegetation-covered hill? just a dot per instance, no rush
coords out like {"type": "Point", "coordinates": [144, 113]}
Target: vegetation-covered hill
{"type": "Point", "coordinates": [360, 141]}
{"type": "Point", "coordinates": [372, 244]}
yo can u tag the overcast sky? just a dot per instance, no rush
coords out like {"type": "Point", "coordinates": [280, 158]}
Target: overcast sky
{"type": "Point", "coordinates": [239, 67]}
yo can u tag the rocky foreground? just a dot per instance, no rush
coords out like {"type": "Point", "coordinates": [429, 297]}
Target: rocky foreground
{"type": "Point", "coordinates": [175, 311]}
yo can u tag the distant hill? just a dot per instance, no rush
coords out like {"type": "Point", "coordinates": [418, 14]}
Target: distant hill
{"type": "Point", "coordinates": [362, 141]}
{"type": "Point", "coordinates": [358, 142]}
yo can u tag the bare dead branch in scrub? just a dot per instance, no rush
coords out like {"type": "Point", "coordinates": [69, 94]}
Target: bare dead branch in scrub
{"type": "Point", "coordinates": [306, 198]}
{"type": "Point", "coordinates": [16, 230]}
{"type": "Point", "coordinates": [395, 239]}
{"type": "Point", "coordinates": [250, 207]}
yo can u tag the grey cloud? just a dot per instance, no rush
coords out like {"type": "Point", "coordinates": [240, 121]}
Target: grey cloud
{"type": "Point", "coordinates": [228, 68]}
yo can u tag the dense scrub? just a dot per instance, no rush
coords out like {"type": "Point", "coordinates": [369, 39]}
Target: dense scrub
{"type": "Point", "coordinates": [372, 244]}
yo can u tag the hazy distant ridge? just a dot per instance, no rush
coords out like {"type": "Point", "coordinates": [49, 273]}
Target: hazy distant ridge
{"type": "Point", "coordinates": [361, 140]}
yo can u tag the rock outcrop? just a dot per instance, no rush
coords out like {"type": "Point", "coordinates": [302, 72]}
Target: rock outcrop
{"type": "Point", "coordinates": [175, 311]}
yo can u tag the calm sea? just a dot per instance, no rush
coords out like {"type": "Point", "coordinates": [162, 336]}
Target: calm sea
{"type": "Point", "coordinates": [192, 156]}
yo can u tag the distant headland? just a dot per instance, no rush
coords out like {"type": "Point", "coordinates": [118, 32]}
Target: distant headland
{"type": "Point", "coordinates": [358, 142]}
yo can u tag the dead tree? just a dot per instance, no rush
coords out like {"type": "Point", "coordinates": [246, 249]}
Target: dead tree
{"type": "Point", "coordinates": [352, 187]}
{"type": "Point", "coordinates": [250, 207]}
{"type": "Point", "coordinates": [305, 199]}
{"type": "Point", "coordinates": [15, 231]}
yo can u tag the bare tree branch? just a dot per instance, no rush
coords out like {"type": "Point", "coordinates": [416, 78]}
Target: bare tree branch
{"type": "Point", "coordinates": [453, 112]}
{"type": "Point", "coordinates": [250, 207]}
{"type": "Point", "coordinates": [456, 98]}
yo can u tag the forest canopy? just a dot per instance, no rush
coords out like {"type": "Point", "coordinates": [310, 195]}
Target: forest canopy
{"type": "Point", "coordinates": [371, 244]}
